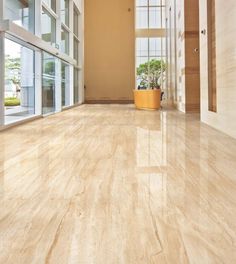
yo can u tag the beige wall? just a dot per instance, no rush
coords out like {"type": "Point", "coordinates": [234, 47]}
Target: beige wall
{"type": "Point", "coordinates": [109, 50]}
{"type": "Point", "coordinates": [183, 61]}
{"type": "Point", "coordinates": [225, 117]}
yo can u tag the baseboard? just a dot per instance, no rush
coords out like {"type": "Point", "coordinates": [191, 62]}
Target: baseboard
{"type": "Point", "coordinates": [109, 101]}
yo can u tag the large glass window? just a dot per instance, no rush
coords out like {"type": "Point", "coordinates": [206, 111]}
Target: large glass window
{"type": "Point", "coordinates": [38, 78]}
{"type": "Point", "coordinates": [65, 12]}
{"type": "Point", "coordinates": [150, 14]}
{"type": "Point", "coordinates": [48, 27]}
{"type": "Point", "coordinates": [19, 82]}
{"type": "Point", "coordinates": [49, 82]}
{"type": "Point", "coordinates": [65, 84]}
{"type": "Point", "coordinates": [21, 13]}
{"type": "Point", "coordinates": [150, 52]}
{"type": "Point", "coordinates": [150, 62]}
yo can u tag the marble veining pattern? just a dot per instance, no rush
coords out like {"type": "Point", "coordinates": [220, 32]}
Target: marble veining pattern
{"type": "Point", "coordinates": [110, 184]}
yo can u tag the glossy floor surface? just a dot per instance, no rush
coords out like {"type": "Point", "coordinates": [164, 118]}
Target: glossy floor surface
{"type": "Point", "coordinates": [111, 184]}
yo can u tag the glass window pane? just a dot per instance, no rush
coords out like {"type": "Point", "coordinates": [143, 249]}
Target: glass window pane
{"type": "Point", "coordinates": [65, 12]}
{"type": "Point", "coordinates": [150, 62]}
{"type": "Point", "coordinates": [76, 85]}
{"type": "Point", "coordinates": [154, 2]}
{"type": "Point", "coordinates": [150, 14]}
{"type": "Point", "coordinates": [48, 27]}
{"type": "Point", "coordinates": [21, 13]}
{"type": "Point", "coordinates": [48, 83]}
{"type": "Point", "coordinates": [76, 50]}
{"type": "Point", "coordinates": [142, 17]}
{"type": "Point", "coordinates": [65, 84]}
{"type": "Point", "coordinates": [19, 82]}
{"type": "Point", "coordinates": [142, 47]}
{"type": "Point", "coordinates": [64, 41]}
{"type": "Point", "coordinates": [76, 21]}
{"type": "Point", "coordinates": [154, 17]}
{"type": "Point", "coordinates": [51, 4]}
{"type": "Point", "coordinates": [141, 2]}
{"type": "Point", "coordinates": [155, 47]}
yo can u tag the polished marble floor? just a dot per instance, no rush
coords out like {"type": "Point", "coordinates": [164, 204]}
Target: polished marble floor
{"type": "Point", "coordinates": [111, 184]}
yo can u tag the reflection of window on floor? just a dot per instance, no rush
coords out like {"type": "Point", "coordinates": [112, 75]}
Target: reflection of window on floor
{"type": "Point", "coordinates": [151, 148]}
{"type": "Point", "coordinates": [19, 82]}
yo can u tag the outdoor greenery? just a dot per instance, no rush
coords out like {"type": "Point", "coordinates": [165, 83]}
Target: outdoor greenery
{"type": "Point", "coordinates": [14, 66]}
{"type": "Point", "coordinates": [12, 101]}
{"type": "Point", "coordinates": [149, 74]}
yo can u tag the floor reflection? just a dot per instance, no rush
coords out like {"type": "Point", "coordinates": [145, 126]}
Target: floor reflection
{"type": "Point", "coordinates": [134, 186]}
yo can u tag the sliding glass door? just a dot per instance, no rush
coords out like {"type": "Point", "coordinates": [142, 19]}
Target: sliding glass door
{"type": "Point", "coordinates": [48, 83]}
{"type": "Point", "coordinates": [65, 84]}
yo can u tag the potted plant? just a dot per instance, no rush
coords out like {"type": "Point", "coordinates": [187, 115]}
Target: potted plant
{"type": "Point", "coordinates": [149, 78]}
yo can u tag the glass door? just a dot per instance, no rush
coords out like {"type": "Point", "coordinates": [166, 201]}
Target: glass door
{"type": "Point", "coordinates": [48, 83]}
{"type": "Point", "coordinates": [65, 84]}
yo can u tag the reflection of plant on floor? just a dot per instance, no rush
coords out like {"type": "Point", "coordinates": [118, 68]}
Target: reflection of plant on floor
{"type": "Point", "coordinates": [12, 101]}
{"type": "Point", "coordinates": [150, 74]}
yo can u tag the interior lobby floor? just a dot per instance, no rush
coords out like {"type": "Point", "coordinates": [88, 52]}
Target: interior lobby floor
{"type": "Point", "coordinates": [110, 184]}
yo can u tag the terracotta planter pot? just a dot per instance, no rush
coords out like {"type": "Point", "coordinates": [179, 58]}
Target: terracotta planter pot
{"type": "Point", "coordinates": [147, 99]}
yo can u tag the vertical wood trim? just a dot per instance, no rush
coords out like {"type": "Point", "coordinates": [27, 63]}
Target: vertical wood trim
{"type": "Point", "coordinates": [212, 89]}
